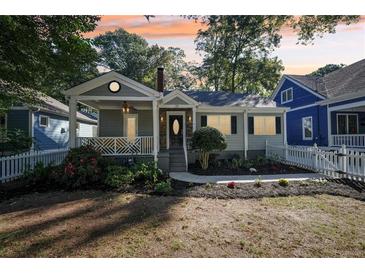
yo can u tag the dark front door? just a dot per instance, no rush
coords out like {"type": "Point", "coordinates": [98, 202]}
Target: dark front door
{"type": "Point", "coordinates": [176, 131]}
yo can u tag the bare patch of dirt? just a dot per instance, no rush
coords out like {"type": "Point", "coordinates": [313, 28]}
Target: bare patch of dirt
{"type": "Point", "coordinates": [99, 224]}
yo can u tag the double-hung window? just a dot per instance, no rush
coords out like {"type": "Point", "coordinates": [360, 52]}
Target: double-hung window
{"type": "Point", "coordinates": [287, 95]}
{"type": "Point", "coordinates": [43, 121]}
{"type": "Point", "coordinates": [347, 123]}
{"type": "Point", "coordinates": [307, 126]}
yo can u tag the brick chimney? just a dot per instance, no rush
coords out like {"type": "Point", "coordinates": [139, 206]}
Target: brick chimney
{"type": "Point", "coordinates": [160, 79]}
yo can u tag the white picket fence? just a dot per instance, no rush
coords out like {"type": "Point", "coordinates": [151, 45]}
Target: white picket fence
{"type": "Point", "coordinates": [333, 162]}
{"type": "Point", "coordinates": [14, 166]}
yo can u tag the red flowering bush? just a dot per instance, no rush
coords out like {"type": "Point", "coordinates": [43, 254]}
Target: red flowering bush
{"type": "Point", "coordinates": [231, 185]}
{"type": "Point", "coordinates": [83, 167]}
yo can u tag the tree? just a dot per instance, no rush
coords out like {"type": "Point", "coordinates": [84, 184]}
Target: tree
{"type": "Point", "coordinates": [206, 140]}
{"type": "Point", "coordinates": [130, 55]}
{"type": "Point", "coordinates": [45, 53]}
{"type": "Point", "coordinates": [237, 50]}
{"type": "Point", "coordinates": [326, 69]}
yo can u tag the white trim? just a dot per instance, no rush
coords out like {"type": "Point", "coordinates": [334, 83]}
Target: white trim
{"type": "Point", "coordinates": [350, 105]}
{"type": "Point", "coordinates": [125, 128]}
{"type": "Point", "coordinates": [178, 94]}
{"type": "Point", "coordinates": [245, 133]}
{"type": "Point", "coordinates": [303, 107]}
{"type": "Point", "coordinates": [347, 122]}
{"type": "Point", "coordinates": [241, 109]}
{"type": "Point", "coordinates": [108, 77]}
{"type": "Point", "coordinates": [284, 128]}
{"type": "Point", "coordinates": [19, 108]}
{"type": "Point", "coordinates": [329, 126]}
{"type": "Point", "coordinates": [40, 119]}
{"type": "Point", "coordinates": [194, 119]}
{"type": "Point", "coordinates": [286, 91]}
{"type": "Point", "coordinates": [286, 77]}
{"type": "Point", "coordinates": [168, 113]}
{"type": "Point", "coordinates": [303, 129]}
{"type": "Point", "coordinates": [113, 98]}
{"type": "Point", "coordinates": [156, 128]}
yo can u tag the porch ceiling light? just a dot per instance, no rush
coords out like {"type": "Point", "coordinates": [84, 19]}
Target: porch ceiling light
{"type": "Point", "coordinates": [126, 108]}
{"type": "Point", "coordinates": [114, 86]}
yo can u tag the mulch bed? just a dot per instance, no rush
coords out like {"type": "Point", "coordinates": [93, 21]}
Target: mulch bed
{"type": "Point", "coordinates": [265, 169]}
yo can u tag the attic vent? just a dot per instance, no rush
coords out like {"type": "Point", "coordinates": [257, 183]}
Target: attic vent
{"type": "Point", "coordinates": [114, 86]}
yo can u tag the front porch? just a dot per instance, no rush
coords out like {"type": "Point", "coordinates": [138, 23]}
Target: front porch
{"type": "Point", "coordinates": [346, 125]}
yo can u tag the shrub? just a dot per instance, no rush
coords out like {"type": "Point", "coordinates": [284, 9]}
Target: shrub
{"type": "Point", "coordinates": [206, 140]}
{"type": "Point", "coordinates": [83, 167]}
{"type": "Point", "coordinates": [41, 178]}
{"type": "Point", "coordinates": [149, 173]}
{"type": "Point", "coordinates": [14, 141]}
{"type": "Point", "coordinates": [231, 185]}
{"type": "Point", "coordinates": [283, 182]}
{"type": "Point", "coordinates": [118, 176]}
{"type": "Point", "coordinates": [164, 187]}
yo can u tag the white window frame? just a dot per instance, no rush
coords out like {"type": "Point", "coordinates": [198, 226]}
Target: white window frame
{"type": "Point", "coordinates": [303, 128]}
{"type": "Point", "coordinates": [220, 115]}
{"type": "Point", "coordinates": [40, 119]}
{"type": "Point", "coordinates": [6, 121]}
{"type": "Point", "coordinates": [347, 122]}
{"type": "Point", "coordinates": [125, 128]}
{"type": "Point", "coordinates": [285, 92]}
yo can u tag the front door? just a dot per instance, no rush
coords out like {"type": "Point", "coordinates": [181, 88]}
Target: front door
{"type": "Point", "coordinates": [176, 134]}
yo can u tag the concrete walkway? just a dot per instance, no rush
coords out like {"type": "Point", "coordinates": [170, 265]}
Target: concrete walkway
{"type": "Point", "coordinates": [202, 179]}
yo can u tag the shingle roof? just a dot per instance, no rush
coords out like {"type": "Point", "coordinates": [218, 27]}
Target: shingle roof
{"type": "Point", "coordinates": [350, 79]}
{"type": "Point", "coordinates": [227, 98]}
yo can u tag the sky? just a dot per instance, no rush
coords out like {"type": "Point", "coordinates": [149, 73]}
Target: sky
{"type": "Point", "coordinates": [346, 46]}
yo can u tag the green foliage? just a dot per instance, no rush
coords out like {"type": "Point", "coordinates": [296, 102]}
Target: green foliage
{"type": "Point", "coordinates": [326, 69]}
{"type": "Point", "coordinates": [164, 187]}
{"type": "Point", "coordinates": [149, 173]}
{"type": "Point", "coordinates": [206, 140]}
{"type": "Point", "coordinates": [14, 141]}
{"type": "Point", "coordinates": [118, 176]}
{"type": "Point", "coordinates": [83, 167]}
{"type": "Point", "coordinates": [41, 178]}
{"type": "Point", "coordinates": [283, 182]}
{"type": "Point", "coordinates": [44, 53]}
{"type": "Point", "coordinates": [131, 55]}
{"type": "Point", "coordinates": [237, 50]}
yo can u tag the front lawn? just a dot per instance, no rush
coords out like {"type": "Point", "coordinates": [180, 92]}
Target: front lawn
{"type": "Point", "coordinates": [102, 224]}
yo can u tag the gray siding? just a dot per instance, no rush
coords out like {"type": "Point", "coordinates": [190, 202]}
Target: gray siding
{"type": "Point", "coordinates": [111, 123]}
{"type": "Point", "coordinates": [176, 101]}
{"type": "Point", "coordinates": [235, 141]}
{"type": "Point", "coordinates": [104, 91]}
{"type": "Point", "coordinates": [257, 142]}
{"type": "Point", "coordinates": [19, 119]}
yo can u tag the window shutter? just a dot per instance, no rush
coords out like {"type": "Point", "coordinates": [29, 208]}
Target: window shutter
{"type": "Point", "coordinates": [278, 125]}
{"type": "Point", "coordinates": [203, 121]}
{"type": "Point", "coordinates": [250, 125]}
{"type": "Point", "coordinates": [233, 124]}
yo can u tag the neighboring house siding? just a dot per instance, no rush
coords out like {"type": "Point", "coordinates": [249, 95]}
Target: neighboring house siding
{"type": "Point", "coordinates": [235, 142]}
{"type": "Point", "coordinates": [295, 129]}
{"type": "Point", "coordinates": [258, 142]}
{"type": "Point", "coordinates": [19, 119]}
{"type": "Point", "coordinates": [54, 136]}
{"type": "Point", "coordinates": [301, 97]}
{"type": "Point", "coordinates": [86, 130]}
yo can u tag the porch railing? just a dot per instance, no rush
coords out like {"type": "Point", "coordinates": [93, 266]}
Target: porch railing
{"type": "Point", "coordinates": [142, 145]}
{"type": "Point", "coordinates": [350, 140]}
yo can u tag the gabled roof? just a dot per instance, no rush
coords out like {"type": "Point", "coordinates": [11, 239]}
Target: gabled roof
{"type": "Point", "coordinates": [227, 98]}
{"type": "Point", "coordinates": [349, 79]}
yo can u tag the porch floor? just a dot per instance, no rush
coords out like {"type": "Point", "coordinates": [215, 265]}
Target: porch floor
{"type": "Point", "coordinates": [200, 179]}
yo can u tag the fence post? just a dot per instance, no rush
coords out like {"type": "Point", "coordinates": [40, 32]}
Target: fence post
{"type": "Point", "coordinates": [286, 152]}
{"type": "Point", "coordinates": [315, 157]}
{"type": "Point", "coordinates": [343, 159]}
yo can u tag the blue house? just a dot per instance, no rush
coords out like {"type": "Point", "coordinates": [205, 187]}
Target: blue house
{"type": "Point", "coordinates": [48, 124]}
{"type": "Point", "coordinates": [328, 110]}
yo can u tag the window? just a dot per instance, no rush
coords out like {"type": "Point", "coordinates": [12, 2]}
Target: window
{"type": "Point", "coordinates": [264, 125]}
{"type": "Point", "coordinates": [347, 123]}
{"type": "Point", "coordinates": [130, 126]}
{"type": "Point", "coordinates": [307, 125]}
{"type": "Point", "coordinates": [43, 121]}
{"type": "Point", "coordinates": [287, 95]}
{"type": "Point", "coordinates": [2, 121]}
{"type": "Point", "coordinates": [220, 122]}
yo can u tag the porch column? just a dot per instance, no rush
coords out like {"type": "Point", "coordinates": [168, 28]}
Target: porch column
{"type": "Point", "coordinates": [329, 125]}
{"type": "Point", "coordinates": [72, 120]}
{"type": "Point", "coordinates": [194, 118]}
{"type": "Point", "coordinates": [245, 132]}
{"type": "Point", "coordinates": [284, 125]}
{"type": "Point", "coordinates": [155, 128]}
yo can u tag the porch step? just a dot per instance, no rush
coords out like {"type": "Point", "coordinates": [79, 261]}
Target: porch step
{"type": "Point", "coordinates": [177, 160]}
